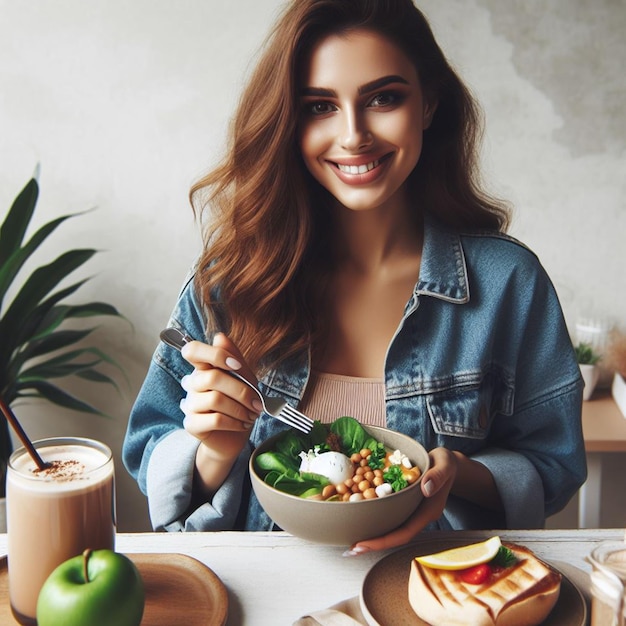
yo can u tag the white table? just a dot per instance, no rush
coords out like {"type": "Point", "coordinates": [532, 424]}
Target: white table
{"type": "Point", "coordinates": [273, 578]}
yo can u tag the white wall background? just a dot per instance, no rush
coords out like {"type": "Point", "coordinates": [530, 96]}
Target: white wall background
{"type": "Point", "coordinates": [125, 104]}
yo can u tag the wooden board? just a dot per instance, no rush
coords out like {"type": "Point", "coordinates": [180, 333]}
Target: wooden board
{"type": "Point", "coordinates": [179, 590]}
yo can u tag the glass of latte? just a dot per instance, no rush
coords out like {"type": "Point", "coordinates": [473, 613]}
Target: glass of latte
{"type": "Point", "coordinates": [55, 513]}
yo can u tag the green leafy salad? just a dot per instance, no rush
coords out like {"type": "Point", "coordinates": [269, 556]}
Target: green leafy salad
{"type": "Point", "coordinates": [339, 461]}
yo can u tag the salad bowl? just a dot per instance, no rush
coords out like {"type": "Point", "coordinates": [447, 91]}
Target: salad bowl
{"type": "Point", "coordinates": [341, 523]}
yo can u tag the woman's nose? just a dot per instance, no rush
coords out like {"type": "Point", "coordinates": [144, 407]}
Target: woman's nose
{"type": "Point", "coordinates": [355, 134]}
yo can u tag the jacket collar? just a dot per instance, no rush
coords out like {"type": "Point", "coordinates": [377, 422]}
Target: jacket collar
{"type": "Point", "coordinates": [443, 272]}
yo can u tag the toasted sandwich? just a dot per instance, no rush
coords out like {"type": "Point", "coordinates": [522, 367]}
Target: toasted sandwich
{"type": "Point", "coordinates": [522, 594]}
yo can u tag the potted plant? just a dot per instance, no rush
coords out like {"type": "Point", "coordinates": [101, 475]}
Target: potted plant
{"type": "Point", "coordinates": [588, 362]}
{"type": "Point", "coordinates": [36, 346]}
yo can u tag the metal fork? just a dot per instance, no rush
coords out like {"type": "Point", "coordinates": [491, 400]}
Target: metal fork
{"type": "Point", "coordinates": [275, 407]}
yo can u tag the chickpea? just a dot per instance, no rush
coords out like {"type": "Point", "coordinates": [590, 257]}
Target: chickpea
{"type": "Point", "coordinates": [328, 491]}
{"type": "Point", "coordinates": [346, 496]}
{"type": "Point", "coordinates": [348, 482]}
{"type": "Point", "coordinates": [341, 489]}
{"type": "Point", "coordinates": [378, 472]}
{"type": "Point", "coordinates": [370, 493]}
{"type": "Point", "coordinates": [378, 480]}
{"type": "Point", "coordinates": [356, 458]}
{"type": "Point", "coordinates": [369, 476]}
{"type": "Point", "coordinates": [364, 463]}
{"type": "Point", "coordinates": [365, 452]}
{"type": "Point", "coordinates": [355, 488]}
{"type": "Point", "coordinates": [364, 485]}
{"type": "Point", "coordinates": [359, 471]}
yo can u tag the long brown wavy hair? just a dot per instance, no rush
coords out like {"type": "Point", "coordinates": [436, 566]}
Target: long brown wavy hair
{"type": "Point", "coordinates": [266, 219]}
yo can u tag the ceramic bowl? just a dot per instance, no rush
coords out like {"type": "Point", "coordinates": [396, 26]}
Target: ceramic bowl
{"type": "Point", "coordinates": [343, 523]}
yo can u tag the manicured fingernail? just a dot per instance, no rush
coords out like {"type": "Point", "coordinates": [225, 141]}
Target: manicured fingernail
{"type": "Point", "coordinates": [234, 364]}
{"type": "Point", "coordinates": [356, 551]}
{"type": "Point", "coordinates": [257, 405]}
{"type": "Point", "coordinates": [429, 488]}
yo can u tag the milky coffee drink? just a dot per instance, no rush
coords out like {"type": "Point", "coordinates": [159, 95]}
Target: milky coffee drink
{"type": "Point", "coordinates": [56, 513]}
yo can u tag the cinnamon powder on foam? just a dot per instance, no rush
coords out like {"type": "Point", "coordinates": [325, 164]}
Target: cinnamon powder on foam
{"type": "Point", "coordinates": [62, 471]}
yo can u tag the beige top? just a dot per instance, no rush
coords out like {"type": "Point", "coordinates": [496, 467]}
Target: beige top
{"type": "Point", "coordinates": [329, 396]}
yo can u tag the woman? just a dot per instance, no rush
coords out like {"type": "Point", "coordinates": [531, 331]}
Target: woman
{"type": "Point", "coordinates": [353, 265]}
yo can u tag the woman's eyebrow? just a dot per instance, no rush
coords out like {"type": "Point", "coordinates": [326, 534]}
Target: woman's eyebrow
{"type": "Point", "coordinates": [363, 89]}
{"type": "Point", "coordinates": [382, 82]}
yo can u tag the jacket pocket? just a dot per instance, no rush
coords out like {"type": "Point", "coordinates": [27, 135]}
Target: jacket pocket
{"type": "Point", "coordinates": [467, 410]}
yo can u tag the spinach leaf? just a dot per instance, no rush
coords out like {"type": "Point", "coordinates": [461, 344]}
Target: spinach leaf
{"type": "Point", "coordinates": [351, 433]}
{"type": "Point", "coordinates": [276, 461]}
{"type": "Point", "coordinates": [296, 484]}
{"type": "Point", "coordinates": [291, 444]}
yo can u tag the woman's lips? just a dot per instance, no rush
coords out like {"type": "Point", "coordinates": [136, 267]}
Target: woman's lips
{"type": "Point", "coordinates": [362, 173]}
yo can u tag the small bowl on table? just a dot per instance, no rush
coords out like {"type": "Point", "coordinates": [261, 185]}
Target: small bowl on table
{"type": "Point", "coordinates": [343, 523]}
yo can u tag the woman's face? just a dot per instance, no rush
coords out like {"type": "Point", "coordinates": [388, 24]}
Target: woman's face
{"type": "Point", "coordinates": [362, 118]}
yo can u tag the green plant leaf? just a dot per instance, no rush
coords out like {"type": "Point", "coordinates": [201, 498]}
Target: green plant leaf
{"type": "Point", "coordinates": [12, 265]}
{"type": "Point", "coordinates": [94, 376]}
{"type": "Point", "coordinates": [64, 360]}
{"type": "Point", "coordinates": [39, 285]}
{"type": "Point", "coordinates": [57, 396]}
{"type": "Point", "coordinates": [45, 319]}
{"type": "Point", "coordinates": [54, 369]}
{"type": "Point", "coordinates": [17, 219]}
{"type": "Point", "coordinates": [92, 309]}
{"type": "Point", "coordinates": [52, 342]}
{"type": "Point", "coordinates": [37, 323]}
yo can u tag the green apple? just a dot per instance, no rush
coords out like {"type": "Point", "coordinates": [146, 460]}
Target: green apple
{"type": "Point", "coordinates": [97, 588]}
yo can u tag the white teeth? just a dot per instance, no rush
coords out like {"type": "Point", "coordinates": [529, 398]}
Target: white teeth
{"type": "Point", "coordinates": [358, 169]}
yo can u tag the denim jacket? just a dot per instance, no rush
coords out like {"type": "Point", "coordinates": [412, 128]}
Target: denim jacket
{"type": "Point", "coordinates": [481, 362]}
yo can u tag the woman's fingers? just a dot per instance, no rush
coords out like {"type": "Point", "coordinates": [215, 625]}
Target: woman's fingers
{"type": "Point", "coordinates": [441, 473]}
{"type": "Point", "coordinates": [216, 390]}
{"type": "Point", "coordinates": [202, 425]}
{"type": "Point", "coordinates": [223, 353]}
{"type": "Point", "coordinates": [204, 356]}
{"type": "Point", "coordinates": [215, 400]}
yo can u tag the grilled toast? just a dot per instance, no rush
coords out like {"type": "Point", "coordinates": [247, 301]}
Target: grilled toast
{"type": "Point", "coordinates": [520, 595]}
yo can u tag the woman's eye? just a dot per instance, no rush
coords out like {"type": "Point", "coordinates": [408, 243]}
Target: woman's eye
{"type": "Point", "coordinates": [319, 108]}
{"type": "Point", "coordinates": [384, 99]}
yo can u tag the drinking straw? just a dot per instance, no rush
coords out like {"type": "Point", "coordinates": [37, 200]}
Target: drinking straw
{"type": "Point", "coordinates": [17, 427]}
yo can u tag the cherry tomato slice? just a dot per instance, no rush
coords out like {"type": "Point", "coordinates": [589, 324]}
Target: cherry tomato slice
{"type": "Point", "coordinates": [476, 575]}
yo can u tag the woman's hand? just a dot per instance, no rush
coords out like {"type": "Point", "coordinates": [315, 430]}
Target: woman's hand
{"type": "Point", "coordinates": [219, 409]}
{"type": "Point", "coordinates": [436, 485]}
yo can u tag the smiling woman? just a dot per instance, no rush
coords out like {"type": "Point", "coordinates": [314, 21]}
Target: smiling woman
{"type": "Point", "coordinates": [348, 242]}
{"type": "Point", "coordinates": [363, 115]}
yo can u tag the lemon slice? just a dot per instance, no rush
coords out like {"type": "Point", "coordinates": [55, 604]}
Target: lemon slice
{"type": "Point", "coordinates": [461, 558]}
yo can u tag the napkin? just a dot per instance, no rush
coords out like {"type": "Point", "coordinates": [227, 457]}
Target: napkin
{"type": "Point", "coordinates": [345, 613]}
